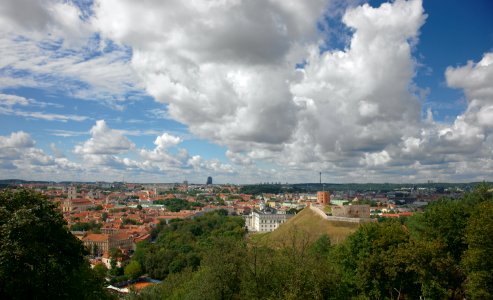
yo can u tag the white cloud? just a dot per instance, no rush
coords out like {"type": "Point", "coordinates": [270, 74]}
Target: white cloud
{"type": "Point", "coordinates": [104, 141]}
{"type": "Point", "coordinates": [376, 159]}
{"type": "Point", "coordinates": [18, 139]}
{"type": "Point", "coordinates": [236, 85]}
{"type": "Point", "coordinates": [239, 158]}
{"type": "Point", "coordinates": [11, 100]}
{"type": "Point", "coordinates": [19, 158]}
{"type": "Point", "coordinates": [39, 19]}
{"type": "Point", "coordinates": [9, 104]}
{"type": "Point", "coordinates": [474, 78]}
{"type": "Point", "coordinates": [226, 70]}
{"type": "Point", "coordinates": [223, 66]}
{"type": "Point", "coordinates": [56, 151]}
{"type": "Point", "coordinates": [167, 140]}
{"type": "Point", "coordinates": [50, 44]}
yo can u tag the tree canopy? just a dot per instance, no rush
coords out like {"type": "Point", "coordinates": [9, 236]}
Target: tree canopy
{"type": "Point", "coordinates": [39, 257]}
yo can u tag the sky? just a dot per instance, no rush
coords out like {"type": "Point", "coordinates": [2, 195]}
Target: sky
{"type": "Point", "coordinates": [246, 91]}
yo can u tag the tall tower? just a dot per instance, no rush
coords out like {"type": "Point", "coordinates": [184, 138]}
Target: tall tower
{"type": "Point", "coordinates": [72, 192]}
{"type": "Point", "coordinates": [323, 198]}
{"type": "Point", "coordinates": [209, 180]}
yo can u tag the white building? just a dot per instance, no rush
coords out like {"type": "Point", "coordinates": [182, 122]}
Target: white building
{"type": "Point", "coordinates": [266, 220]}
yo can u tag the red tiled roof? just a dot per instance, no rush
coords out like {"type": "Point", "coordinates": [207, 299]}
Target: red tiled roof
{"type": "Point", "coordinates": [96, 237]}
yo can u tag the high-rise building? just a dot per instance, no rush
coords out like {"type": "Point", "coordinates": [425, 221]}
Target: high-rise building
{"type": "Point", "coordinates": [323, 197]}
{"type": "Point", "coordinates": [209, 180]}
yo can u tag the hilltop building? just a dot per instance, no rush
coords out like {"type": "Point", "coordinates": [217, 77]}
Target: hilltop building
{"type": "Point", "coordinates": [323, 198]}
{"type": "Point", "coordinates": [266, 220]}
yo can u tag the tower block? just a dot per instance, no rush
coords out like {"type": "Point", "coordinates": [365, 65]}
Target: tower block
{"type": "Point", "coordinates": [323, 198]}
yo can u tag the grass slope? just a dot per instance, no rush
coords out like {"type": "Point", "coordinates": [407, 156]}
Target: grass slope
{"type": "Point", "coordinates": [307, 226]}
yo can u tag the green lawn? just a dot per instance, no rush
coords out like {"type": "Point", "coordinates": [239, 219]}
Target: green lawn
{"type": "Point", "coordinates": [306, 227]}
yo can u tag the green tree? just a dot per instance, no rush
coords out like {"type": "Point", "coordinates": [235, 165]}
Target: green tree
{"type": "Point", "coordinates": [115, 254]}
{"type": "Point", "coordinates": [100, 271]}
{"type": "Point", "coordinates": [371, 263]}
{"type": "Point", "coordinates": [133, 269]}
{"type": "Point", "coordinates": [38, 255]}
{"type": "Point", "coordinates": [478, 258]}
{"type": "Point", "coordinates": [439, 243]}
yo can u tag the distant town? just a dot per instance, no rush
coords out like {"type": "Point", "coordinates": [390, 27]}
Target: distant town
{"type": "Point", "coordinates": [105, 215]}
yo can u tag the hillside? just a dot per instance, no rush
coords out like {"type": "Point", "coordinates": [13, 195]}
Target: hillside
{"type": "Point", "coordinates": [307, 226]}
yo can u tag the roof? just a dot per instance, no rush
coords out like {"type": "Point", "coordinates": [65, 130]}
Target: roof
{"type": "Point", "coordinates": [96, 237]}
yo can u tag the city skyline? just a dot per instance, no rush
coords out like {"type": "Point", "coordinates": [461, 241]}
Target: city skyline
{"type": "Point", "coordinates": [246, 91]}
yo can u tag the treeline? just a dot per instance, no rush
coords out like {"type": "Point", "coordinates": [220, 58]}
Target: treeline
{"type": "Point", "coordinates": [444, 253]}
{"type": "Point", "coordinates": [256, 189]}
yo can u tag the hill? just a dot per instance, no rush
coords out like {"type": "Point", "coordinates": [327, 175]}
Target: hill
{"type": "Point", "coordinates": [306, 227]}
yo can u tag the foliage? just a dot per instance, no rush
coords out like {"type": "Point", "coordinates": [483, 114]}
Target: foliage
{"type": "Point", "coordinates": [182, 243]}
{"type": "Point", "coordinates": [127, 221]}
{"type": "Point", "coordinates": [86, 226]}
{"type": "Point", "coordinates": [478, 258]}
{"type": "Point", "coordinates": [133, 269]}
{"type": "Point", "coordinates": [38, 255]}
{"type": "Point", "coordinates": [100, 271]}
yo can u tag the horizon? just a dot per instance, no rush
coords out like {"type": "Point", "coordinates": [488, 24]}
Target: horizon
{"type": "Point", "coordinates": [247, 92]}
{"type": "Point", "coordinates": [260, 183]}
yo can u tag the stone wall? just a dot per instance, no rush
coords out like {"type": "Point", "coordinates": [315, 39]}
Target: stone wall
{"type": "Point", "coordinates": [351, 211]}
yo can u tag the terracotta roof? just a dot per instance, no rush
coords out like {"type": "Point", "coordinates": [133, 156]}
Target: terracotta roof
{"type": "Point", "coordinates": [96, 237]}
{"type": "Point", "coordinates": [121, 236]}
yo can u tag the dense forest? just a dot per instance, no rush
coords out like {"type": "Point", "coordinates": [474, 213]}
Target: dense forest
{"type": "Point", "coordinates": [444, 253]}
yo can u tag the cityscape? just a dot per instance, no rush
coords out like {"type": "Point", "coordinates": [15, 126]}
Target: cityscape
{"type": "Point", "coordinates": [238, 149]}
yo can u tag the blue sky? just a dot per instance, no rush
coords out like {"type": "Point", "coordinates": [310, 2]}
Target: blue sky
{"type": "Point", "coordinates": [246, 92]}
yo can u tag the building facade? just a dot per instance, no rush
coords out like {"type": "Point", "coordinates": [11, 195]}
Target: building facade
{"type": "Point", "coordinates": [99, 243]}
{"type": "Point", "coordinates": [265, 220]}
{"type": "Point", "coordinates": [76, 205]}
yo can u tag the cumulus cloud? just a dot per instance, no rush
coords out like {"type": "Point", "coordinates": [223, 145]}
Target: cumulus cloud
{"type": "Point", "coordinates": [104, 140]}
{"type": "Point", "coordinates": [19, 157]}
{"type": "Point", "coordinates": [160, 157]}
{"type": "Point", "coordinates": [167, 140]}
{"type": "Point", "coordinates": [40, 17]}
{"type": "Point", "coordinates": [358, 101]}
{"type": "Point", "coordinates": [236, 84]}
{"type": "Point", "coordinates": [221, 66]}
{"type": "Point", "coordinates": [18, 139]}
{"type": "Point", "coordinates": [255, 77]}
{"type": "Point", "coordinates": [239, 158]}
{"type": "Point", "coordinates": [109, 150]}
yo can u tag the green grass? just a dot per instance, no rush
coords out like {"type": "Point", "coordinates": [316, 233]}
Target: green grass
{"type": "Point", "coordinates": [307, 226]}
